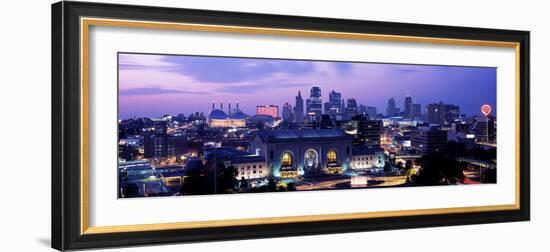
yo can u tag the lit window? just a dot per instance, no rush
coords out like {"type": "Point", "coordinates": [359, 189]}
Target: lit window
{"type": "Point", "coordinates": [331, 156]}
{"type": "Point", "coordinates": [286, 159]}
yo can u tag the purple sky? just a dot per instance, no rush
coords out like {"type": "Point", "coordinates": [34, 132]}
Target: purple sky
{"type": "Point", "coordinates": [154, 85]}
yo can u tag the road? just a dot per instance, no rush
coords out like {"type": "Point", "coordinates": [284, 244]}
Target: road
{"type": "Point", "coordinates": [332, 183]}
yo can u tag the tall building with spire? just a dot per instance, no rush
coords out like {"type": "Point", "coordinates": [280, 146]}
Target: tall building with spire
{"type": "Point", "coordinates": [408, 107]}
{"type": "Point", "coordinates": [390, 110]}
{"type": "Point", "coordinates": [299, 108]}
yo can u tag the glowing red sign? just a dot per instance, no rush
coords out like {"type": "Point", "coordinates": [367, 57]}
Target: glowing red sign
{"type": "Point", "coordinates": [486, 109]}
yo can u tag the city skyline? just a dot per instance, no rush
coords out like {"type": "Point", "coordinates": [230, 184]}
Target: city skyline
{"type": "Point", "coordinates": [154, 85]}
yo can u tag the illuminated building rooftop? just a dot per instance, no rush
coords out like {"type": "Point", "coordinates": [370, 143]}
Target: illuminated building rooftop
{"type": "Point", "coordinates": [217, 114]}
{"type": "Point", "coordinates": [304, 134]}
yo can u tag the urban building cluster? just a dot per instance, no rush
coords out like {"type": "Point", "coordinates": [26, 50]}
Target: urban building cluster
{"type": "Point", "coordinates": [312, 143]}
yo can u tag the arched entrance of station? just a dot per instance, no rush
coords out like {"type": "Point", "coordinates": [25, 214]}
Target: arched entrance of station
{"type": "Point", "coordinates": [288, 168]}
{"type": "Point", "coordinates": [311, 161]}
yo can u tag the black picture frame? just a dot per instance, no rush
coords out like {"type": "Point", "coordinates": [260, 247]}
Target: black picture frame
{"type": "Point", "coordinates": [66, 125]}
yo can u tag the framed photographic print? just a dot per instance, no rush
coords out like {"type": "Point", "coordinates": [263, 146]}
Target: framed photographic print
{"type": "Point", "coordinates": [180, 125]}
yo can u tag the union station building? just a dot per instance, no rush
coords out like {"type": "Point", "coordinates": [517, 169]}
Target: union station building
{"type": "Point", "coordinates": [292, 153]}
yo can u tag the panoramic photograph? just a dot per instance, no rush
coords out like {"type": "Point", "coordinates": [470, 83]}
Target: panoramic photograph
{"type": "Point", "coordinates": [198, 125]}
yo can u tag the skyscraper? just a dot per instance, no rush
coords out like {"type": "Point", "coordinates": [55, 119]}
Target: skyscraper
{"type": "Point", "coordinates": [390, 110]}
{"type": "Point", "coordinates": [371, 130]}
{"type": "Point", "coordinates": [434, 113]}
{"type": "Point", "coordinates": [441, 113]}
{"type": "Point", "coordinates": [451, 113]}
{"type": "Point", "coordinates": [352, 108]}
{"type": "Point", "coordinates": [485, 130]}
{"type": "Point", "coordinates": [371, 111]}
{"type": "Point", "coordinates": [315, 104]}
{"type": "Point", "coordinates": [492, 129]}
{"type": "Point", "coordinates": [299, 108]}
{"type": "Point", "coordinates": [429, 141]}
{"type": "Point", "coordinates": [287, 112]}
{"type": "Point", "coordinates": [416, 111]}
{"type": "Point", "coordinates": [334, 104]}
{"type": "Point", "coordinates": [408, 107]}
{"type": "Point", "coordinates": [368, 132]}
{"type": "Point", "coordinates": [362, 109]}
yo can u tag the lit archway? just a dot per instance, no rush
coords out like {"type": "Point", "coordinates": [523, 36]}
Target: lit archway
{"type": "Point", "coordinates": [332, 157]}
{"type": "Point", "coordinates": [288, 169]}
{"type": "Point", "coordinates": [311, 160]}
{"type": "Point", "coordinates": [286, 159]}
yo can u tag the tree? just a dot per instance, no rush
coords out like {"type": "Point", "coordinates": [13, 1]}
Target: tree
{"type": "Point", "coordinates": [492, 153]}
{"type": "Point", "coordinates": [455, 149]}
{"type": "Point", "coordinates": [271, 185]}
{"type": "Point", "coordinates": [400, 164]}
{"type": "Point", "coordinates": [490, 176]}
{"type": "Point", "coordinates": [195, 182]}
{"type": "Point", "coordinates": [243, 186]}
{"type": "Point", "coordinates": [438, 169]}
{"type": "Point", "coordinates": [481, 154]}
{"type": "Point", "coordinates": [290, 187]}
{"type": "Point", "coordinates": [130, 190]}
{"type": "Point", "coordinates": [408, 165]}
{"type": "Point", "coordinates": [225, 178]}
{"type": "Point", "coordinates": [461, 167]}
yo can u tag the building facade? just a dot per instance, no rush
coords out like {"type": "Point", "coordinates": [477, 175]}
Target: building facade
{"type": "Point", "coordinates": [269, 110]}
{"type": "Point", "coordinates": [217, 118]}
{"type": "Point", "coordinates": [434, 113]}
{"type": "Point", "coordinates": [250, 167]}
{"type": "Point", "coordinates": [486, 130]}
{"type": "Point", "coordinates": [429, 141]}
{"type": "Point", "coordinates": [416, 111]}
{"type": "Point", "coordinates": [292, 153]}
{"type": "Point", "coordinates": [368, 132]}
{"type": "Point", "coordinates": [371, 112]}
{"type": "Point", "coordinates": [163, 145]}
{"type": "Point", "coordinates": [440, 113]}
{"type": "Point", "coordinates": [352, 108]}
{"type": "Point", "coordinates": [334, 105]}
{"type": "Point", "coordinates": [315, 104]}
{"type": "Point", "coordinates": [367, 158]}
{"type": "Point", "coordinates": [287, 112]}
